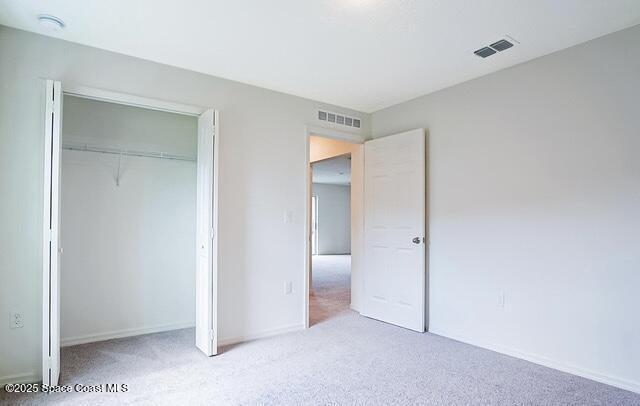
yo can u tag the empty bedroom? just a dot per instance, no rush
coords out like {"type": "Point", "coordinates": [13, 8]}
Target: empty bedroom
{"type": "Point", "coordinates": [326, 202]}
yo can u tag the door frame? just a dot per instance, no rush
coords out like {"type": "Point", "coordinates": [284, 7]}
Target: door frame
{"type": "Point", "coordinates": [93, 93]}
{"type": "Point", "coordinates": [310, 131]}
{"type": "Point", "coordinates": [314, 224]}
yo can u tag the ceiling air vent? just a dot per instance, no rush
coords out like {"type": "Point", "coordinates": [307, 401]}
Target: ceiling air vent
{"type": "Point", "coordinates": [498, 46]}
{"type": "Point", "coordinates": [484, 52]}
{"type": "Point", "coordinates": [339, 119]}
{"type": "Point", "coordinates": [501, 45]}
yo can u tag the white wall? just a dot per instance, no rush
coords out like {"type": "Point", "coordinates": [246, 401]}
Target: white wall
{"type": "Point", "coordinates": [324, 148]}
{"type": "Point", "coordinates": [334, 218]}
{"type": "Point", "coordinates": [263, 148]}
{"type": "Point", "coordinates": [534, 191]}
{"type": "Point", "coordinates": [129, 250]}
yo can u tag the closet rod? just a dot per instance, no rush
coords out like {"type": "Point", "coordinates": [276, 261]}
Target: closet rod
{"type": "Point", "coordinates": [126, 152]}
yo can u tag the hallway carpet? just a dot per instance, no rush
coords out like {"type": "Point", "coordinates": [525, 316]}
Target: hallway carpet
{"type": "Point", "coordinates": [330, 293]}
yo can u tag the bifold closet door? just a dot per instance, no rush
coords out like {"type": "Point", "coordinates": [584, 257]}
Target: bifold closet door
{"type": "Point", "coordinates": [206, 238]}
{"type": "Point", "coordinates": [51, 235]}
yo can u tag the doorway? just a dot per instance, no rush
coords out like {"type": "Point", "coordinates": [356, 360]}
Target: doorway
{"type": "Point", "coordinates": [330, 291]}
{"type": "Point", "coordinates": [388, 223]}
{"type": "Point", "coordinates": [334, 224]}
{"type": "Point", "coordinates": [130, 191]}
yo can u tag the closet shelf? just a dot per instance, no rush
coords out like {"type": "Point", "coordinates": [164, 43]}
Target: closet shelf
{"type": "Point", "coordinates": [126, 152]}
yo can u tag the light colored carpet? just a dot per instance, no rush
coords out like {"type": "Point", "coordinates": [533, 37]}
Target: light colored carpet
{"type": "Point", "coordinates": [344, 359]}
{"type": "Point", "coordinates": [330, 293]}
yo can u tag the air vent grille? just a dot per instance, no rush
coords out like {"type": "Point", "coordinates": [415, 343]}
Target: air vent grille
{"type": "Point", "coordinates": [339, 119]}
{"type": "Point", "coordinates": [498, 46]}
{"type": "Point", "coordinates": [484, 52]}
{"type": "Point", "coordinates": [501, 45]}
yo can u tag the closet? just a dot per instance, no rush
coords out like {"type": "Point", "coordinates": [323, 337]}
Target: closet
{"type": "Point", "coordinates": [128, 220]}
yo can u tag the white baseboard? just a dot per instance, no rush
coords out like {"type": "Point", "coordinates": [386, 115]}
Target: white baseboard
{"type": "Point", "coordinates": [108, 335]}
{"type": "Point", "coordinates": [546, 362]}
{"type": "Point", "coordinates": [262, 334]}
{"type": "Point", "coordinates": [27, 377]}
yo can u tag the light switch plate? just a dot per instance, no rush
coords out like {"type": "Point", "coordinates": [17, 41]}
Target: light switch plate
{"type": "Point", "coordinates": [16, 321]}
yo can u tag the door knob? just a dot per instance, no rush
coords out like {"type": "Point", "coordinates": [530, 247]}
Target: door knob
{"type": "Point", "coordinates": [416, 240]}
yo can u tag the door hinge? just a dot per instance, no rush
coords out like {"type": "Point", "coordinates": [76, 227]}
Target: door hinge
{"type": "Point", "coordinates": [212, 233]}
{"type": "Point", "coordinates": [211, 335]}
{"type": "Point", "coordinates": [50, 235]}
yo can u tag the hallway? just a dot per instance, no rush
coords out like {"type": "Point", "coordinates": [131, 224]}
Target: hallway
{"type": "Point", "coordinates": [330, 293]}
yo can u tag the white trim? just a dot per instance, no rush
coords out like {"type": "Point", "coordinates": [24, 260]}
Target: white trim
{"type": "Point", "coordinates": [128, 332]}
{"type": "Point", "coordinates": [306, 280]}
{"type": "Point", "coordinates": [545, 361]}
{"type": "Point", "coordinates": [215, 243]}
{"type": "Point", "coordinates": [27, 377]}
{"type": "Point", "coordinates": [334, 134]}
{"type": "Point", "coordinates": [262, 334]}
{"type": "Point", "coordinates": [93, 93]}
{"type": "Point", "coordinates": [311, 130]}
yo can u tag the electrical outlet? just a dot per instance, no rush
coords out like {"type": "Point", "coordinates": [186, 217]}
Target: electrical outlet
{"type": "Point", "coordinates": [17, 320]}
{"type": "Point", "coordinates": [288, 217]}
{"type": "Point", "coordinates": [288, 288]}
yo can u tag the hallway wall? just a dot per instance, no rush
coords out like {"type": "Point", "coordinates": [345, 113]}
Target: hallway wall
{"type": "Point", "coordinates": [334, 218]}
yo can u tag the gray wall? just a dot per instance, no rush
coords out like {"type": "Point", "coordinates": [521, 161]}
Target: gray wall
{"type": "Point", "coordinates": [534, 192]}
{"type": "Point", "coordinates": [334, 218]}
{"type": "Point", "coordinates": [262, 148]}
{"type": "Point", "coordinates": [128, 264]}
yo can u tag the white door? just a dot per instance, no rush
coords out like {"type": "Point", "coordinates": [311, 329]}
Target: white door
{"type": "Point", "coordinates": [51, 223]}
{"type": "Point", "coordinates": [206, 238]}
{"type": "Point", "coordinates": [394, 223]}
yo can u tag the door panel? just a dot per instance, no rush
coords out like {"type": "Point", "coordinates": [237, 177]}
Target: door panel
{"type": "Point", "coordinates": [206, 235]}
{"type": "Point", "coordinates": [394, 275]}
{"type": "Point", "coordinates": [51, 234]}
